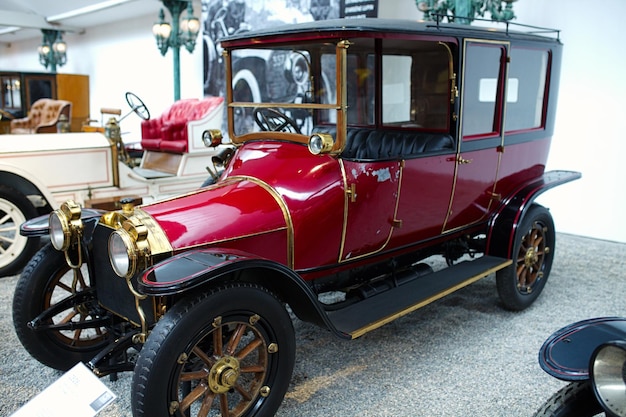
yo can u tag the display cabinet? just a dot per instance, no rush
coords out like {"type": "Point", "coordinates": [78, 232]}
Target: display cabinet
{"type": "Point", "coordinates": [21, 89]}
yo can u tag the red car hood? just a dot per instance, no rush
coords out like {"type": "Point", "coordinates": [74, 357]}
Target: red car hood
{"type": "Point", "coordinates": [235, 208]}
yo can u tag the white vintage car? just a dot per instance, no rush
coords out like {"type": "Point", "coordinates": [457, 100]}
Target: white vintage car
{"type": "Point", "coordinates": [40, 171]}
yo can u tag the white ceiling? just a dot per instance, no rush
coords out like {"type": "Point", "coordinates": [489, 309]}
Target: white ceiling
{"type": "Point", "coordinates": [24, 19]}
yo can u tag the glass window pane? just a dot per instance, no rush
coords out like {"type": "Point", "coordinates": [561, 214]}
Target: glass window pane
{"type": "Point", "coordinates": [527, 79]}
{"type": "Point", "coordinates": [415, 84]}
{"type": "Point", "coordinates": [480, 89]}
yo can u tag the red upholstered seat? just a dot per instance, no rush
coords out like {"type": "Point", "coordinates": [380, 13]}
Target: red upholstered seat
{"type": "Point", "coordinates": [170, 131]}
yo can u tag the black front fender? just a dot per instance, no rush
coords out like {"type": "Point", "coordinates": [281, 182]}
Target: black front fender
{"type": "Point", "coordinates": [38, 226]}
{"type": "Point", "coordinates": [566, 353]}
{"type": "Point", "coordinates": [195, 269]}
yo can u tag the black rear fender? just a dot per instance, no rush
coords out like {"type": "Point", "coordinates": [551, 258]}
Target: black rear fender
{"type": "Point", "coordinates": [508, 216]}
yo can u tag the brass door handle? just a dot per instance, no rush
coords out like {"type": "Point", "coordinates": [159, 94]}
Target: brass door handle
{"type": "Point", "coordinates": [351, 192]}
{"type": "Point", "coordinates": [463, 161]}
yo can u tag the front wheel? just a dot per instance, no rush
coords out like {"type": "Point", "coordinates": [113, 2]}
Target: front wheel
{"type": "Point", "coordinates": [520, 284]}
{"type": "Point", "coordinates": [574, 400]}
{"type": "Point", "coordinates": [73, 328]}
{"type": "Point", "coordinates": [226, 352]}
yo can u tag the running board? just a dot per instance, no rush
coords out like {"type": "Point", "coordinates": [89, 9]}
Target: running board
{"type": "Point", "coordinates": [357, 319]}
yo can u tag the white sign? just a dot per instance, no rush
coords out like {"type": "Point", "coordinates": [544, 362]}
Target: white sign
{"type": "Point", "coordinates": [78, 393]}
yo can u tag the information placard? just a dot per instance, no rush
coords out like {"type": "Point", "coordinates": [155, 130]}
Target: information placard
{"type": "Point", "coordinates": [78, 393]}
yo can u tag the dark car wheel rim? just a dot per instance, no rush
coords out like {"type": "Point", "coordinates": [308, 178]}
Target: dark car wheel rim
{"type": "Point", "coordinates": [62, 285]}
{"type": "Point", "coordinates": [530, 260]}
{"type": "Point", "coordinates": [224, 370]}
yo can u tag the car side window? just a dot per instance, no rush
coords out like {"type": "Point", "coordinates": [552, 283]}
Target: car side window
{"type": "Point", "coordinates": [415, 85]}
{"type": "Point", "coordinates": [526, 89]}
{"type": "Point", "coordinates": [397, 88]}
{"type": "Point", "coordinates": [482, 86]}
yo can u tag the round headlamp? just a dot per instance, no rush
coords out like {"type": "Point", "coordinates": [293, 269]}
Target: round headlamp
{"type": "Point", "coordinates": [321, 143]}
{"type": "Point", "coordinates": [122, 253]}
{"type": "Point", "coordinates": [64, 225]}
{"type": "Point", "coordinates": [607, 370]}
{"type": "Point", "coordinates": [60, 233]}
{"type": "Point", "coordinates": [212, 138]}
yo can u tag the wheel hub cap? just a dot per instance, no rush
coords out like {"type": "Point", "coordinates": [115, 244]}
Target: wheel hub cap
{"type": "Point", "coordinates": [224, 375]}
{"type": "Point", "coordinates": [531, 257]}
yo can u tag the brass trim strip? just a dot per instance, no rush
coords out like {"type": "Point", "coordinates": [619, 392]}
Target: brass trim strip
{"type": "Point", "coordinates": [346, 197]}
{"type": "Point", "coordinates": [157, 239]}
{"type": "Point", "coordinates": [507, 46]}
{"type": "Point", "coordinates": [454, 92]}
{"type": "Point", "coordinates": [392, 317]}
{"type": "Point", "coordinates": [283, 206]}
{"type": "Point", "coordinates": [314, 106]}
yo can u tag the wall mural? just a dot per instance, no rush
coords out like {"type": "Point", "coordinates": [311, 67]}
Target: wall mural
{"type": "Point", "coordinates": [221, 18]}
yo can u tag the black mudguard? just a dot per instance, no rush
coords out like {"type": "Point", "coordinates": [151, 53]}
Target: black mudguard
{"type": "Point", "coordinates": [508, 216]}
{"type": "Point", "coordinates": [201, 267]}
{"type": "Point", "coordinates": [566, 353]}
{"type": "Point", "coordinates": [38, 226]}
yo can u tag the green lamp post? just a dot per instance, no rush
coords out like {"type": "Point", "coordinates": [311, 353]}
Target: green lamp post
{"type": "Point", "coordinates": [179, 33]}
{"type": "Point", "coordinates": [464, 11]}
{"type": "Point", "coordinates": [53, 50]}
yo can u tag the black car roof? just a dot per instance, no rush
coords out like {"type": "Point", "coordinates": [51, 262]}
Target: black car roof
{"type": "Point", "coordinates": [334, 28]}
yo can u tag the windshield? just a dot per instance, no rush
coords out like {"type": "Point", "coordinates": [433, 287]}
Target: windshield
{"type": "Point", "coordinates": [363, 82]}
{"type": "Point", "coordinates": [287, 88]}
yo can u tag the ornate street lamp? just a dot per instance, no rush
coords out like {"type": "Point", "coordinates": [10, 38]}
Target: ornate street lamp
{"type": "Point", "coordinates": [53, 50]}
{"type": "Point", "coordinates": [179, 33]}
{"type": "Point", "coordinates": [464, 11]}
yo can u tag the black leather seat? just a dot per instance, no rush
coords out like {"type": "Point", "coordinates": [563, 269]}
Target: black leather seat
{"type": "Point", "coordinates": [372, 144]}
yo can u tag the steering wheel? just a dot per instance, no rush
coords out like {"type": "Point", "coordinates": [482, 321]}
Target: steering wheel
{"type": "Point", "coordinates": [137, 106]}
{"type": "Point", "coordinates": [269, 119]}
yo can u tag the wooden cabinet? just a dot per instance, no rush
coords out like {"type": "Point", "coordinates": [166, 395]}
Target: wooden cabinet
{"type": "Point", "coordinates": [21, 89]}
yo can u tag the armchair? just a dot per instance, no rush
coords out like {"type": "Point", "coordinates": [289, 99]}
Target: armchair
{"type": "Point", "coordinates": [42, 117]}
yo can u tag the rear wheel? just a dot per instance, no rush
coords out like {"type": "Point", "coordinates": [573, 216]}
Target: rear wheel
{"type": "Point", "coordinates": [520, 284]}
{"type": "Point", "coordinates": [227, 352]}
{"type": "Point", "coordinates": [15, 249]}
{"type": "Point", "coordinates": [574, 400]}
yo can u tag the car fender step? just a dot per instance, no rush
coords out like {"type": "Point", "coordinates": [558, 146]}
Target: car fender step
{"type": "Point", "coordinates": [371, 313]}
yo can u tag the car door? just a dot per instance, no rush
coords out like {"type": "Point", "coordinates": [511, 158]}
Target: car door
{"type": "Point", "coordinates": [370, 206]}
{"type": "Point", "coordinates": [481, 133]}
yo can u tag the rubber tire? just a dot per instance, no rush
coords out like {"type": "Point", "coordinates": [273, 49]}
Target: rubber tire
{"type": "Point", "coordinates": [506, 279]}
{"type": "Point", "coordinates": [573, 400]}
{"type": "Point", "coordinates": [10, 263]}
{"type": "Point", "coordinates": [29, 301]}
{"type": "Point", "coordinates": [156, 370]}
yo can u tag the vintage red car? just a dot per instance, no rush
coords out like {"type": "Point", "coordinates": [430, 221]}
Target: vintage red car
{"type": "Point", "coordinates": [381, 144]}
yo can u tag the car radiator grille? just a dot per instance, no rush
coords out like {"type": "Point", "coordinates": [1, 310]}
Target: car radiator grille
{"type": "Point", "coordinates": [113, 292]}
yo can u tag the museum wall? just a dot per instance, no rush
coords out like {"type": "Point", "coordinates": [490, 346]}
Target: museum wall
{"type": "Point", "coordinates": [123, 57]}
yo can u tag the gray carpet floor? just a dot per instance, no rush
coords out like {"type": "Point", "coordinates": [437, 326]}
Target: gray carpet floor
{"type": "Point", "coordinates": [461, 356]}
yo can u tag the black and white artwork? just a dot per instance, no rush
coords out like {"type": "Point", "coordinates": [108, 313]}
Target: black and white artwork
{"type": "Point", "coordinates": [221, 18]}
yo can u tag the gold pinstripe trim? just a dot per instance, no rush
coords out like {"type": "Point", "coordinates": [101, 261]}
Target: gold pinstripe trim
{"type": "Point", "coordinates": [232, 239]}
